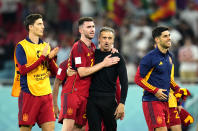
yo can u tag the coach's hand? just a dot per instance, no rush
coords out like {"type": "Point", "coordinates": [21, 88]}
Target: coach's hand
{"type": "Point", "coordinates": [56, 111]}
{"type": "Point", "coordinates": [119, 113]}
{"type": "Point", "coordinates": [160, 95]}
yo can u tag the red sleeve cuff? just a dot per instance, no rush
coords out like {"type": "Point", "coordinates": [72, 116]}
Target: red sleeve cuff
{"type": "Point", "coordinates": [23, 69]}
{"type": "Point", "coordinates": [53, 67]}
{"type": "Point", "coordinates": [60, 77]}
{"type": "Point", "coordinates": [155, 91]}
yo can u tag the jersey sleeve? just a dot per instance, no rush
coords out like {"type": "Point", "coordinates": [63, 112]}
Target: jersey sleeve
{"type": "Point", "coordinates": [145, 65]}
{"type": "Point", "coordinates": [53, 67]}
{"type": "Point", "coordinates": [143, 69]}
{"type": "Point", "coordinates": [61, 73]}
{"type": "Point", "coordinates": [20, 55]}
{"type": "Point", "coordinates": [78, 57]}
{"type": "Point", "coordinates": [142, 82]}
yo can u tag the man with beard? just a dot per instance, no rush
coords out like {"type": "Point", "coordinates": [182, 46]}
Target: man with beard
{"type": "Point", "coordinates": [76, 89]}
{"type": "Point", "coordinates": [154, 76]}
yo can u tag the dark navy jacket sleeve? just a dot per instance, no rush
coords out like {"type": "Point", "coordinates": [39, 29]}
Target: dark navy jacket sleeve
{"type": "Point", "coordinates": [20, 55]}
{"type": "Point", "coordinates": [145, 65]}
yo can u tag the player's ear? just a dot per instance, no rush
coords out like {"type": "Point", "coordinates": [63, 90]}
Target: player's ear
{"type": "Point", "coordinates": [80, 29]}
{"type": "Point", "coordinates": [30, 27]}
{"type": "Point", "coordinates": [156, 39]}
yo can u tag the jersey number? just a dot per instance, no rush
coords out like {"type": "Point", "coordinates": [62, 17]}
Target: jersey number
{"type": "Point", "coordinates": [92, 62]}
{"type": "Point", "coordinates": [177, 115]}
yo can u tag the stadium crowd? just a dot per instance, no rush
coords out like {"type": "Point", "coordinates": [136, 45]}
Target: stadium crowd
{"type": "Point", "coordinates": [132, 20]}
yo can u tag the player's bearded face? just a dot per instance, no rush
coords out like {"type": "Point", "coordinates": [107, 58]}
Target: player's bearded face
{"type": "Point", "coordinates": [165, 40]}
{"type": "Point", "coordinates": [37, 28]}
{"type": "Point", "coordinates": [89, 29]}
{"type": "Point", "coordinates": [106, 40]}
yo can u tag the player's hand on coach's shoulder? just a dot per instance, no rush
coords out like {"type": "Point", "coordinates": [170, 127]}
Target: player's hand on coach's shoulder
{"type": "Point", "coordinates": [114, 50]}
{"type": "Point", "coordinates": [109, 61]}
{"type": "Point", "coordinates": [160, 94]}
{"type": "Point", "coordinates": [119, 113]}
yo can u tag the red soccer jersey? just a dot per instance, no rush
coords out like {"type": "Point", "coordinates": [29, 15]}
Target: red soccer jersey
{"type": "Point", "coordinates": [81, 56]}
{"type": "Point", "coordinates": [61, 73]}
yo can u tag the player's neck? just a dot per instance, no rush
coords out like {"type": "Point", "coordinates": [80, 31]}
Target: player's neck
{"type": "Point", "coordinates": [163, 50]}
{"type": "Point", "coordinates": [86, 41]}
{"type": "Point", "coordinates": [33, 38]}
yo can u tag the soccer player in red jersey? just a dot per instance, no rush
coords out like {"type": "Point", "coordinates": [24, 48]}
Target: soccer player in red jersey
{"type": "Point", "coordinates": [34, 63]}
{"type": "Point", "coordinates": [177, 115]}
{"type": "Point", "coordinates": [60, 79]}
{"type": "Point", "coordinates": [76, 89]}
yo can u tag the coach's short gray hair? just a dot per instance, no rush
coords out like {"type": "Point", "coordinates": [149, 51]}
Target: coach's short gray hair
{"type": "Point", "coordinates": [106, 28]}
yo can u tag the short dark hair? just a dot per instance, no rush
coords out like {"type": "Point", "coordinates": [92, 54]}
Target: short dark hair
{"type": "Point", "coordinates": [30, 19]}
{"type": "Point", "coordinates": [83, 19]}
{"type": "Point", "coordinates": [158, 31]}
{"type": "Point", "coordinates": [106, 28]}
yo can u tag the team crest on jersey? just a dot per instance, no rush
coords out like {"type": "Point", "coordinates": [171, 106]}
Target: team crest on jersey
{"type": "Point", "coordinates": [84, 116]}
{"type": "Point", "coordinates": [159, 119]}
{"type": "Point", "coordinates": [161, 63]}
{"type": "Point", "coordinates": [38, 53]}
{"type": "Point", "coordinates": [69, 111]}
{"type": "Point", "coordinates": [25, 117]}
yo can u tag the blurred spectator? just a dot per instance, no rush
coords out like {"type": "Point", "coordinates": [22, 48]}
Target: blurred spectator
{"type": "Point", "coordinates": [131, 19]}
{"type": "Point", "coordinates": [52, 39]}
{"type": "Point", "coordinates": [99, 22]}
{"type": "Point", "coordinates": [117, 11]}
{"type": "Point", "coordinates": [131, 70]}
{"type": "Point", "coordinates": [66, 41]}
{"type": "Point", "coordinates": [128, 46]}
{"type": "Point", "coordinates": [88, 7]}
{"type": "Point", "coordinates": [8, 10]}
{"type": "Point", "coordinates": [188, 57]}
{"type": "Point", "coordinates": [66, 14]}
{"type": "Point", "coordinates": [51, 14]}
{"type": "Point", "coordinates": [190, 16]}
{"type": "Point", "coordinates": [176, 36]}
{"type": "Point", "coordinates": [142, 34]}
{"type": "Point", "coordinates": [185, 30]}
